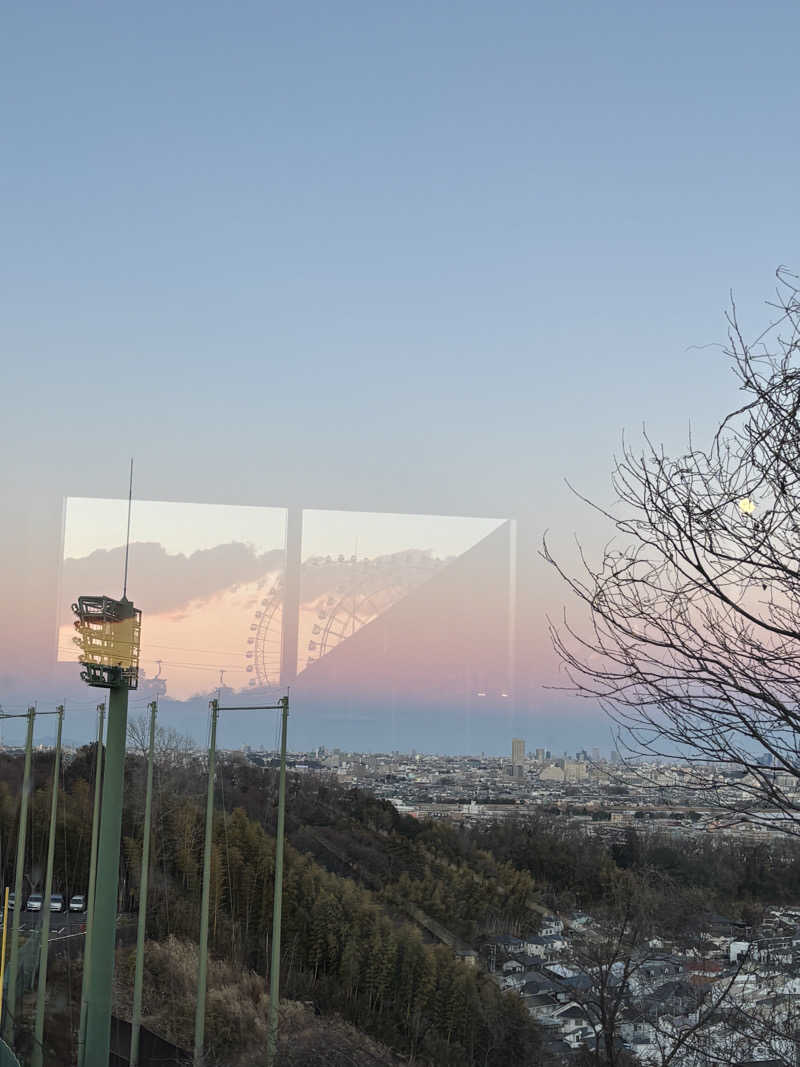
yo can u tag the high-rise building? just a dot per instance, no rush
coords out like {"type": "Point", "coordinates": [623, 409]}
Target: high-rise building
{"type": "Point", "coordinates": [517, 751]}
{"type": "Point", "coordinates": [540, 755]}
{"type": "Point", "coordinates": [574, 770]}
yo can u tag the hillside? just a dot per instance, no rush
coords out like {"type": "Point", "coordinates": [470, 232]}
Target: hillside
{"type": "Point", "coordinates": [348, 944]}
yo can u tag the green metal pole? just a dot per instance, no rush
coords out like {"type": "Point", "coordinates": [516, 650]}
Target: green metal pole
{"type": "Point", "coordinates": [202, 971]}
{"type": "Point", "coordinates": [143, 881]}
{"type": "Point", "coordinates": [37, 1058]}
{"type": "Point", "coordinates": [104, 919]}
{"type": "Point", "coordinates": [13, 963]}
{"type": "Point", "coordinates": [87, 941]}
{"type": "Point", "coordinates": [275, 963]}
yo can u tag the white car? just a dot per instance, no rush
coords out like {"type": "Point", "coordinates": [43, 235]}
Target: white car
{"type": "Point", "coordinates": [77, 903]}
{"type": "Point", "coordinates": [34, 902]}
{"type": "Point", "coordinates": [56, 902]}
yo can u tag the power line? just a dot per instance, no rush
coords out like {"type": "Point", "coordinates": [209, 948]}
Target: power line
{"type": "Point", "coordinates": [240, 667]}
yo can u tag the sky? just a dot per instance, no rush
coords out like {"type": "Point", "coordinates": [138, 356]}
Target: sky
{"type": "Point", "coordinates": [432, 258]}
{"type": "Point", "coordinates": [185, 528]}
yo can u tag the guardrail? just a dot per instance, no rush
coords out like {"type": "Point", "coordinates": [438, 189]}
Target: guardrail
{"type": "Point", "coordinates": [7, 1057]}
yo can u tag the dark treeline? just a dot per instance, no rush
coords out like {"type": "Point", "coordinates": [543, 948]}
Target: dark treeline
{"type": "Point", "coordinates": [700, 872]}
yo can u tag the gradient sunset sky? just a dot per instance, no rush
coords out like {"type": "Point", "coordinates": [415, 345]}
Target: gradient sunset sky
{"type": "Point", "coordinates": [428, 258]}
{"type": "Point", "coordinates": [204, 573]}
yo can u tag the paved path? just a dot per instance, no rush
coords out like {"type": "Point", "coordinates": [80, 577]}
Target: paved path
{"type": "Point", "coordinates": [61, 923]}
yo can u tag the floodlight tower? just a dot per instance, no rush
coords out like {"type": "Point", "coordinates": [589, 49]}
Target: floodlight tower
{"type": "Point", "coordinates": [109, 635]}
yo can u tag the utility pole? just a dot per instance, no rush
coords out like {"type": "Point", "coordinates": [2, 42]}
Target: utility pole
{"type": "Point", "coordinates": [87, 940]}
{"type": "Point", "coordinates": [37, 1057]}
{"type": "Point", "coordinates": [143, 884]}
{"type": "Point", "coordinates": [109, 639]}
{"type": "Point", "coordinates": [274, 976]}
{"type": "Point", "coordinates": [13, 963]}
{"type": "Point", "coordinates": [275, 963]}
{"type": "Point", "coordinates": [202, 973]}
{"type": "Point", "coordinates": [3, 950]}
{"type": "Point", "coordinates": [104, 919]}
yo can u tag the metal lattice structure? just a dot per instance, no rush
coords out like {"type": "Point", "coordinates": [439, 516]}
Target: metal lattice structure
{"type": "Point", "coordinates": [341, 595]}
{"type": "Point", "coordinates": [109, 636]}
{"type": "Point", "coordinates": [265, 643]}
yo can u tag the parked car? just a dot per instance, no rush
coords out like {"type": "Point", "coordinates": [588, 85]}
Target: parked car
{"type": "Point", "coordinates": [77, 903]}
{"type": "Point", "coordinates": [34, 902]}
{"type": "Point", "coordinates": [57, 902]}
{"type": "Point", "coordinates": [11, 898]}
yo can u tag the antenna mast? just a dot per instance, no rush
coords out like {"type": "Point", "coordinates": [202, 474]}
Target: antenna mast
{"type": "Point", "coordinates": [128, 534]}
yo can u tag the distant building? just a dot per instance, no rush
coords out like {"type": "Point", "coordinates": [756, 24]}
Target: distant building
{"type": "Point", "coordinates": [517, 751]}
{"type": "Point", "coordinates": [574, 771]}
{"type": "Point", "coordinates": [552, 774]}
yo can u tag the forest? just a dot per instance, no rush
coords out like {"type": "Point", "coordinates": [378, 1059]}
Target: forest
{"type": "Point", "coordinates": [347, 947]}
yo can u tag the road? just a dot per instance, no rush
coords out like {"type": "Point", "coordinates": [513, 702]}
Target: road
{"type": "Point", "coordinates": [62, 924]}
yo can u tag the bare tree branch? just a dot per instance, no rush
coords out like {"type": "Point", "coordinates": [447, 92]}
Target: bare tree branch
{"type": "Point", "coordinates": [693, 646]}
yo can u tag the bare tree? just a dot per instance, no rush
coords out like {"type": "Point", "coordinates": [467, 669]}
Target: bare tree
{"type": "Point", "coordinates": [607, 964]}
{"type": "Point", "coordinates": [693, 646]}
{"type": "Point", "coordinates": [174, 756]}
{"type": "Point", "coordinates": [607, 979]}
{"type": "Point", "coordinates": [171, 747]}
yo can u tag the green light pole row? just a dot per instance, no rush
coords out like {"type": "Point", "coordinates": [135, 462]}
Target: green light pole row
{"type": "Point", "coordinates": [37, 1059]}
{"type": "Point", "coordinates": [87, 941]}
{"type": "Point", "coordinates": [13, 962]}
{"type": "Point", "coordinates": [274, 977]}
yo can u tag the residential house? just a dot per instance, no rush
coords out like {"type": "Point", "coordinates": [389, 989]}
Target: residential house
{"type": "Point", "coordinates": [508, 944]}
{"type": "Point", "coordinates": [654, 971]}
{"type": "Point", "coordinates": [538, 984]}
{"type": "Point", "coordinates": [544, 947]}
{"type": "Point", "coordinates": [513, 966]}
{"type": "Point", "coordinates": [551, 924]}
{"type": "Point", "coordinates": [636, 1029]}
{"type": "Point", "coordinates": [573, 1023]}
{"type": "Point", "coordinates": [673, 998]}
{"type": "Point", "coordinates": [568, 979]}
